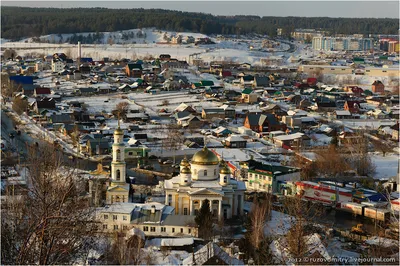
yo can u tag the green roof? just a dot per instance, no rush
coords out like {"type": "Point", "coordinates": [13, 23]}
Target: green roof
{"type": "Point", "coordinates": [207, 83]}
{"type": "Point", "coordinates": [247, 91]}
{"type": "Point", "coordinates": [197, 84]}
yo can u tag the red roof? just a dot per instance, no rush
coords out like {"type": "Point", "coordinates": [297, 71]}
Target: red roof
{"type": "Point", "coordinates": [42, 91]}
{"type": "Point", "coordinates": [311, 81]}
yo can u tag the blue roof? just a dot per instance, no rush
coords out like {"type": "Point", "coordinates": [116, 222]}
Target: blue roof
{"type": "Point", "coordinates": [86, 60]}
{"type": "Point", "coordinates": [22, 79]}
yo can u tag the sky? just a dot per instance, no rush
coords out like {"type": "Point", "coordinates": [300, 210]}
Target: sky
{"type": "Point", "coordinates": [359, 9]}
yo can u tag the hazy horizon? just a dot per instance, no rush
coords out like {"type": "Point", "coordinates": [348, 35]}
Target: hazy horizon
{"type": "Point", "coordinates": [345, 9]}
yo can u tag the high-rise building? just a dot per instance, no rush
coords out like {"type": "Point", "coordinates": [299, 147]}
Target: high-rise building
{"type": "Point", "coordinates": [342, 44]}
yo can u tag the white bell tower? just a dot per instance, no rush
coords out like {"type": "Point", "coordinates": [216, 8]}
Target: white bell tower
{"type": "Point", "coordinates": [118, 165]}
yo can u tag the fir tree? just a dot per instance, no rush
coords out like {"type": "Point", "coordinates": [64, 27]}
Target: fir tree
{"type": "Point", "coordinates": [204, 219]}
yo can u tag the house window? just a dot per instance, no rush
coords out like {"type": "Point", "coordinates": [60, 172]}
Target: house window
{"type": "Point", "coordinates": [115, 227]}
{"type": "Point", "coordinates": [173, 230]}
{"type": "Point", "coordinates": [205, 172]}
{"type": "Point", "coordinates": [130, 153]}
{"type": "Point", "coordinates": [163, 229]}
{"type": "Point", "coordinates": [104, 226]}
{"type": "Point", "coordinates": [124, 218]}
{"type": "Point", "coordinates": [115, 217]}
{"type": "Point", "coordinates": [118, 177]}
{"type": "Point", "coordinates": [189, 231]}
{"type": "Point", "coordinates": [152, 229]}
{"type": "Point", "coordinates": [124, 227]}
{"type": "Point", "coordinates": [182, 230]}
{"type": "Point", "coordinates": [185, 211]}
{"type": "Point", "coordinates": [145, 228]}
{"type": "Point", "coordinates": [105, 217]}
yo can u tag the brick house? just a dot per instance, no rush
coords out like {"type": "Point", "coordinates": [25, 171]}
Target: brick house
{"type": "Point", "coordinates": [378, 87]}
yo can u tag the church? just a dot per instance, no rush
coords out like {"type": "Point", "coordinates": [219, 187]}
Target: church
{"type": "Point", "coordinates": [118, 190]}
{"type": "Point", "coordinates": [205, 177]}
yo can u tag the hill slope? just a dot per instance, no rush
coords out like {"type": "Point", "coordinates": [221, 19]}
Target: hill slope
{"type": "Point", "coordinates": [20, 22]}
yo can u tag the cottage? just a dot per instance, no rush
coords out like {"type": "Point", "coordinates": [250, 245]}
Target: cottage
{"type": "Point", "coordinates": [260, 82]}
{"type": "Point", "coordinates": [263, 122]}
{"type": "Point", "coordinates": [210, 113]}
{"type": "Point", "coordinates": [352, 106]}
{"type": "Point", "coordinates": [326, 106]}
{"type": "Point", "coordinates": [133, 70]}
{"type": "Point", "coordinates": [248, 96]}
{"type": "Point", "coordinates": [378, 87]}
{"type": "Point", "coordinates": [342, 114]}
{"type": "Point", "coordinates": [235, 141]}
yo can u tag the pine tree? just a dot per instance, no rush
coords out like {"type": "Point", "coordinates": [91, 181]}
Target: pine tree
{"type": "Point", "coordinates": [204, 219]}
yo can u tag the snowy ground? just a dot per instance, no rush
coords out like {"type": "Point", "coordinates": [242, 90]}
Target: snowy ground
{"type": "Point", "coordinates": [139, 47]}
{"type": "Point", "coordinates": [386, 167]}
{"type": "Point", "coordinates": [279, 224]}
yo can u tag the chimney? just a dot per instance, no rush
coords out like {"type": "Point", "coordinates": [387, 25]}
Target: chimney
{"type": "Point", "coordinates": [79, 52]}
{"type": "Point", "coordinates": [153, 209]}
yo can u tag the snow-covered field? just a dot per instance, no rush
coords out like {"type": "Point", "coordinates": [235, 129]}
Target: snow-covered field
{"type": "Point", "coordinates": [386, 167]}
{"type": "Point", "coordinates": [139, 47]}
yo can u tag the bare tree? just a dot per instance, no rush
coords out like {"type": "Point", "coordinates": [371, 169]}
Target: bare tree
{"type": "Point", "coordinates": [303, 214]}
{"type": "Point", "coordinates": [381, 146]}
{"type": "Point", "coordinates": [53, 224]}
{"type": "Point", "coordinates": [260, 212]}
{"type": "Point", "coordinates": [20, 105]}
{"type": "Point", "coordinates": [122, 108]}
{"type": "Point", "coordinates": [330, 162]}
{"type": "Point", "coordinates": [125, 250]}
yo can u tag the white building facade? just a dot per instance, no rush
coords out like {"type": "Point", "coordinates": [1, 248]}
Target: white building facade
{"type": "Point", "coordinates": [205, 177]}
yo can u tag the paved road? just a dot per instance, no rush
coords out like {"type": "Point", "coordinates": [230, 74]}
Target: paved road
{"type": "Point", "coordinates": [22, 142]}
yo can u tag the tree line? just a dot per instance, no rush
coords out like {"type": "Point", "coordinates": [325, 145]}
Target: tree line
{"type": "Point", "coordinates": [24, 22]}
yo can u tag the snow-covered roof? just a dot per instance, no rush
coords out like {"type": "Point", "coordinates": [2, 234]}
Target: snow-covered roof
{"type": "Point", "coordinates": [176, 242]}
{"type": "Point", "coordinates": [234, 138]}
{"type": "Point", "coordinates": [211, 250]}
{"type": "Point", "coordinates": [289, 137]}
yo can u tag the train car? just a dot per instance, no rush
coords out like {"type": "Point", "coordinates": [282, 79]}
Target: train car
{"type": "Point", "coordinates": [323, 193]}
{"type": "Point", "coordinates": [352, 207]}
{"type": "Point", "coordinates": [378, 214]}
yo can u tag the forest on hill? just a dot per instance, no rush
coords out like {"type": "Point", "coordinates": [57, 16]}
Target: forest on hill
{"type": "Point", "coordinates": [24, 22]}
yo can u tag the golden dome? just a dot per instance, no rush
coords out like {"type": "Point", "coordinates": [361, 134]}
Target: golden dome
{"type": "Point", "coordinates": [185, 162]}
{"type": "Point", "coordinates": [225, 170]}
{"type": "Point", "coordinates": [205, 157]}
{"type": "Point", "coordinates": [119, 131]}
{"type": "Point", "coordinates": [186, 170]}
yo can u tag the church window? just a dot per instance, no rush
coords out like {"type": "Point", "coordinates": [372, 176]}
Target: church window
{"type": "Point", "coordinates": [189, 230]}
{"type": "Point", "coordinates": [124, 218]}
{"type": "Point", "coordinates": [185, 211]}
{"type": "Point", "coordinates": [115, 227]}
{"type": "Point", "coordinates": [195, 171]}
{"type": "Point", "coordinates": [205, 172]}
{"type": "Point", "coordinates": [105, 217]}
{"type": "Point", "coordinates": [115, 217]}
{"type": "Point", "coordinates": [173, 230]}
{"type": "Point", "coordinates": [225, 179]}
{"type": "Point", "coordinates": [163, 229]}
{"type": "Point", "coordinates": [181, 230]}
{"type": "Point", "coordinates": [152, 229]}
{"type": "Point", "coordinates": [169, 199]}
{"type": "Point", "coordinates": [118, 175]}
{"type": "Point", "coordinates": [118, 152]}
{"type": "Point", "coordinates": [215, 172]}
{"type": "Point", "coordinates": [117, 199]}
{"type": "Point", "coordinates": [104, 226]}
